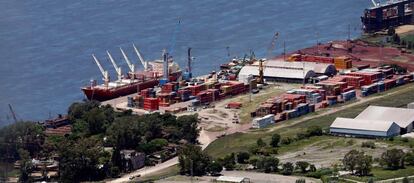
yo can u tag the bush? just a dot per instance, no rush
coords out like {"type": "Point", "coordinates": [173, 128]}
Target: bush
{"type": "Point", "coordinates": [300, 181]}
{"type": "Point", "coordinates": [314, 131]}
{"type": "Point", "coordinates": [302, 166]}
{"type": "Point", "coordinates": [114, 172]}
{"type": "Point", "coordinates": [286, 141]}
{"type": "Point", "coordinates": [319, 173]}
{"type": "Point", "coordinates": [275, 140]}
{"type": "Point", "coordinates": [368, 144]}
{"type": "Point", "coordinates": [260, 142]}
{"type": "Point", "coordinates": [287, 168]}
{"type": "Point", "coordinates": [242, 157]}
{"type": "Point", "coordinates": [214, 168]}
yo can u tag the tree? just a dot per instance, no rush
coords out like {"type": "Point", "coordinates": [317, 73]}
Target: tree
{"type": "Point", "coordinates": [253, 162]}
{"type": "Point", "coordinates": [350, 160]}
{"type": "Point", "coordinates": [260, 142]}
{"type": "Point", "coordinates": [275, 140]}
{"type": "Point", "coordinates": [229, 161]}
{"type": "Point", "coordinates": [409, 158]}
{"type": "Point", "coordinates": [26, 166]}
{"type": "Point", "coordinates": [286, 141]}
{"type": "Point", "coordinates": [287, 168]}
{"type": "Point", "coordinates": [242, 157]}
{"type": "Point", "coordinates": [302, 165]}
{"type": "Point", "coordinates": [357, 162]}
{"type": "Point", "coordinates": [193, 161]}
{"type": "Point", "coordinates": [267, 164]}
{"type": "Point", "coordinates": [393, 159]}
{"type": "Point", "coordinates": [405, 180]}
{"type": "Point", "coordinates": [214, 168]}
{"type": "Point", "coordinates": [125, 133]}
{"type": "Point", "coordinates": [79, 160]}
{"type": "Point", "coordinates": [189, 127]}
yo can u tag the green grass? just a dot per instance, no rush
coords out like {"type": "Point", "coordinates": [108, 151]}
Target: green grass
{"type": "Point", "coordinates": [162, 174]}
{"type": "Point", "coordinates": [379, 173]}
{"type": "Point", "coordinates": [242, 141]}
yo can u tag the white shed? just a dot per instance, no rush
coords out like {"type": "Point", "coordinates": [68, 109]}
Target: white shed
{"type": "Point", "coordinates": [364, 128]}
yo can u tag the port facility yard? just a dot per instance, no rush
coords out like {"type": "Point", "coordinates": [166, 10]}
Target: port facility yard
{"type": "Point", "coordinates": [323, 151]}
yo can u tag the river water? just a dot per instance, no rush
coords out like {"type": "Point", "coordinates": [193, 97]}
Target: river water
{"type": "Point", "coordinates": [46, 45]}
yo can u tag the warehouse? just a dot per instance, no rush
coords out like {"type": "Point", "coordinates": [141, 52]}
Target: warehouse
{"type": "Point", "coordinates": [403, 117]}
{"type": "Point", "coordinates": [364, 128]}
{"type": "Point", "coordinates": [293, 72]}
{"type": "Point", "coordinates": [376, 121]}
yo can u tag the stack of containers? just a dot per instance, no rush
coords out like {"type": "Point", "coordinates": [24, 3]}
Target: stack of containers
{"type": "Point", "coordinates": [130, 102]}
{"type": "Point", "coordinates": [165, 99]}
{"type": "Point", "coordinates": [381, 86]}
{"type": "Point", "coordinates": [184, 94]}
{"type": "Point", "coordinates": [302, 109]}
{"type": "Point", "coordinates": [389, 83]}
{"type": "Point", "coordinates": [151, 104]}
{"type": "Point", "coordinates": [369, 77]}
{"type": "Point", "coordinates": [196, 89]}
{"type": "Point", "coordinates": [264, 109]}
{"type": "Point", "coordinates": [400, 81]}
{"type": "Point", "coordinates": [168, 88]}
{"type": "Point", "coordinates": [369, 89]}
{"type": "Point", "coordinates": [347, 96]}
{"type": "Point", "coordinates": [343, 62]}
{"type": "Point", "coordinates": [139, 101]}
{"type": "Point", "coordinates": [332, 100]}
{"type": "Point", "coordinates": [291, 114]}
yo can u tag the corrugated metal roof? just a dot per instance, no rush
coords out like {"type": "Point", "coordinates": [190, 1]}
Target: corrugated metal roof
{"type": "Point", "coordinates": [230, 179]}
{"type": "Point", "coordinates": [277, 72]}
{"type": "Point", "coordinates": [317, 67]}
{"type": "Point", "coordinates": [402, 116]}
{"type": "Point", "coordinates": [360, 124]}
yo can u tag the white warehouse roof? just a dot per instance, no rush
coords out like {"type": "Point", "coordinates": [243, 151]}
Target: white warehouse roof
{"type": "Point", "coordinates": [320, 68]}
{"type": "Point", "coordinates": [403, 117]}
{"type": "Point", "coordinates": [360, 124]}
{"type": "Point", "coordinates": [231, 179]}
{"type": "Point", "coordinates": [293, 73]}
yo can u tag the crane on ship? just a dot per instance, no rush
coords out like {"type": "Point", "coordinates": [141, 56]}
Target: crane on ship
{"type": "Point", "coordinates": [13, 113]}
{"type": "Point", "coordinates": [272, 45]}
{"type": "Point", "coordinates": [117, 69]}
{"type": "Point", "coordinates": [103, 71]}
{"type": "Point", "coordinates": [143, 62]}
{"type": "Point", "coordinates": [130, 65]}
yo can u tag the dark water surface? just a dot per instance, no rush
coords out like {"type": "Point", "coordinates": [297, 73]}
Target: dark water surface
{"type": "Point", "coordinates": [46, 45]}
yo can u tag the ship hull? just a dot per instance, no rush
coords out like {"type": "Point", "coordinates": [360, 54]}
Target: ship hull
{"type": "Point", "coordinates": [102, 94]}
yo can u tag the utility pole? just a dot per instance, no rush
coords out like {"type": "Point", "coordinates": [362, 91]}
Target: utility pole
{"type": "Point", "coordinates": [284, 50]}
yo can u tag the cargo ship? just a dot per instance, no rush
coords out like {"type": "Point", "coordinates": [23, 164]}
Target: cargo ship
{"type": "Point", "coordinates": [389, 14]}
{"type": "Point", "coordinates": [134, 81]}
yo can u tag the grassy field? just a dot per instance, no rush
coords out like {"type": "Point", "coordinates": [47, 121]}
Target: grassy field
{"type": "Point", "coordinates": [242, 141]}
{"type": "Point", "coordinates": [381, 174]}
{"type": "Point", "coordinates": [168, 172]}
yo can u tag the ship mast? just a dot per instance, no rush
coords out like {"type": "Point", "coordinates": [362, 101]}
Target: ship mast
{"type": "Point", "coordinates": [143, 62]}
{"type": "Point", "coordinates": [131, 66]}
{"type": "Point", "coordinates": [117, 69]}
{"type": "Point", "coordinates": [103, 72]}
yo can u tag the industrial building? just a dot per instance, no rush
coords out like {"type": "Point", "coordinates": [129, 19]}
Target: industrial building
{"type": "Point", "coordinates": [376, 121]}
{"type": "Point", "coordinates": [281, 71]}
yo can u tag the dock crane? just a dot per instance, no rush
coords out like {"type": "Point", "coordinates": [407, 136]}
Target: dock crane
{"type": "Point", "coordinates": [117, 69]}
{"type": "Point", "coordinates": [103, 72]}
{"type": "Point", "coordinates": [130, 65]}
{"type": "Point", "coordinates": [143, 62]}
{"type": "Point", "coordinates": [13, 113]}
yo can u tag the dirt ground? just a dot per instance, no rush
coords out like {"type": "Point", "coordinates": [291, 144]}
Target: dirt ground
{"type": "Point", "coordinates": [253, 176]}
{"type": "Point", "coordinates": [404, 29]}
{"type": "Point", "coordinates": [329, 152]}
